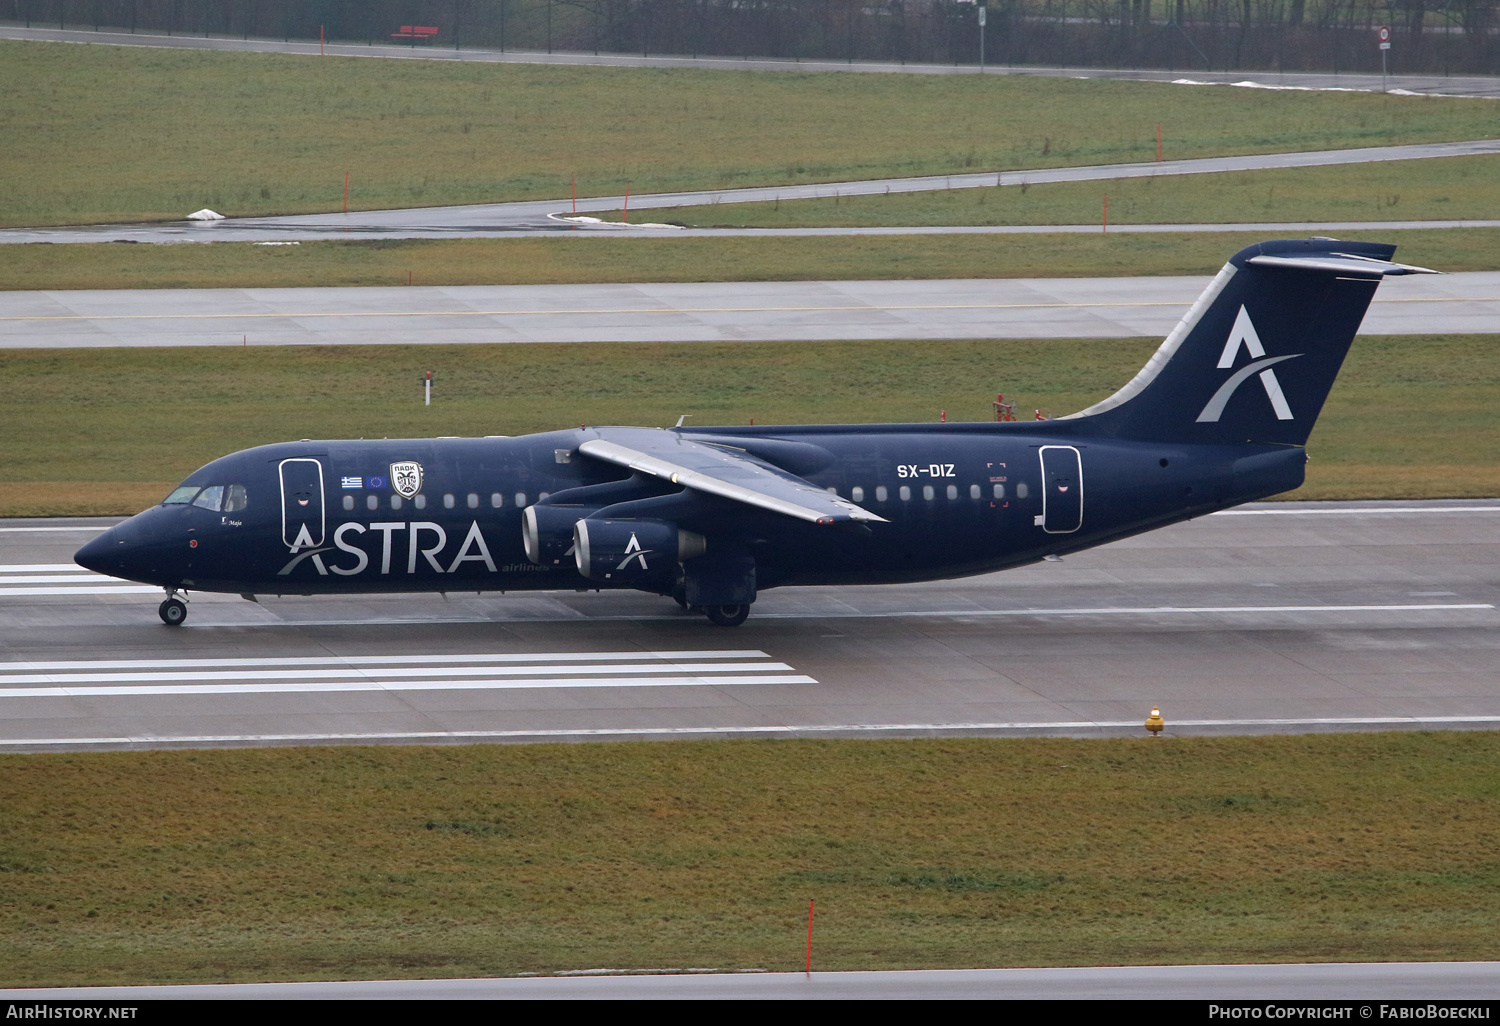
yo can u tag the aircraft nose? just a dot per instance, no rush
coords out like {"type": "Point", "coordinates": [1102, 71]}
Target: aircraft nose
{"type": "Point", "coordinates": [105, 554]}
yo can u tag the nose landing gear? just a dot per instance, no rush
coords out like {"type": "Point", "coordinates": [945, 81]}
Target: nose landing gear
{"type": "Point", "coordinates": [173, 610]}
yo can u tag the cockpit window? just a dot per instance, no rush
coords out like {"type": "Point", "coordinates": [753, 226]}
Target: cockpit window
{"type": "Point", "coordinates": [211, 497]}
{"type": "Point", "coordinates": [181, 496]}
{"type": "Point", "coordinates": [235, 498]}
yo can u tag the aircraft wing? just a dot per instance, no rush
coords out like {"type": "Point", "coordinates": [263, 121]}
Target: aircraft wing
{"type": "Point", "coordinates": [721, 471]}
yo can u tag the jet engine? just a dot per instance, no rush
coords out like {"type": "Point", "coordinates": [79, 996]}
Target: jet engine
{"type": "Point", "coordinates": [631, 551]}
{"type": "Point", "coordinates": [547, 532]}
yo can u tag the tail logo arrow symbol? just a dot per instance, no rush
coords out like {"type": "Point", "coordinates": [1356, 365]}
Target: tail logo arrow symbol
{"type": "Point", "coordinates": [1243, 334]}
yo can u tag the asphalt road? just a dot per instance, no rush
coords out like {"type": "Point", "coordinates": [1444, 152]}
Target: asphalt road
{"type": "Point", "coordinates": [1467, 302]}
{"type": "Point", "coordinates": [1435, 85]}
{"type": "Point", "coordinates": [1449, 983]}
{"type": "Point", "coordinates": [1275, 618]}
{"type": "Point", "coordinates": [545, 217]}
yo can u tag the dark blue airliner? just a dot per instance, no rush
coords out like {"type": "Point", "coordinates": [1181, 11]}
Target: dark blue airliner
{"type": "Point", "coordinates": [712, 516]}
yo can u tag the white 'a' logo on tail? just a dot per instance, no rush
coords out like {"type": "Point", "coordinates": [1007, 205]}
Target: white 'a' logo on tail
{"type": "Point", "coordinates": [1243, 333]}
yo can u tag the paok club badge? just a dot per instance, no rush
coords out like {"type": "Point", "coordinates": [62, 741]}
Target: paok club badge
{"type": "Point", "coordinates": [406, 478]}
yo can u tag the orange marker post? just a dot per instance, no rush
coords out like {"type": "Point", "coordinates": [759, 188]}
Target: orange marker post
{"type": "Point", "coordinates": [625, 214]}
{"type": "Point", "coordinates": [346, 192]}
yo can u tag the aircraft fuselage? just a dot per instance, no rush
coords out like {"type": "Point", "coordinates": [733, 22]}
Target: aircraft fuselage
{"type": "Point", "coordinates": [328, 517]}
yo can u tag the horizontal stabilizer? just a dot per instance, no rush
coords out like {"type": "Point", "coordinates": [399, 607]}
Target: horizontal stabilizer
{"type": "Point", "coordinates": [718, 471]}
{"type": "Point", "coordinates": [1340, 263]}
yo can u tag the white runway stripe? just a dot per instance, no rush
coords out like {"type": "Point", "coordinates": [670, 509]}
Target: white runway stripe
{"type": "Point", "coordinates": [86, 528]}
{"type": "Point", "coordinates": [1356, 511]}
{"type": "Point", "coordinates": [311, 687]}
{"type": "Point", "coordinates": [80, 577]}
{"type": "Point", "coordinates": [385, 660]}
{"type": "Point", "coordinates": [90, 589]}
{"type": "Point", "coordinates": [1123, 611]}
{"type": "Point", "coordinates": [445, 672]}
{"type": "Point", "coordinates": [123, 678]}
{"type": "Point", "coordinates": [40, 568]}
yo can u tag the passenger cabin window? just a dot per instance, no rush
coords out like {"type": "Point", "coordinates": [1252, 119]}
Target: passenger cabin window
{"type": "Point", "coordinates": [881, 493]}
{"type": "Point", "coordinates": [999, 491]}
{"type": "Point", "coordinates": [497, 500]}
{"type": "Point", "coordinates": [448, 500]}
{"type": "Point", "coordinates": [472, 501]}
{"type": "Point", "coordinates": [905, 493]}
{"type": "Point", "coordinates": [235, 498]}
{"type": "Point", "coordinates": [181, 496]}
{"type": "Point", "coordinates": [372, 502]}
{"type": "Point", "coordinates": [348, 502]}
{"type": "Point", "coordinates": [857, 494]}
{"type": "Point", "coordinates": [953, 491]}
{"type": "Point", "coordinates": [211, 497]}
{"type": "Point", "coordinates": [1021, 490]}
{"type": "Point", "coordinates": [420, 502]}
{"type": "Point", "coordinates": [927, 492]}
{"type": "Point", "coordinates": [973, 491]}
{"type": "Point", "coordinates": [395, 502]}
{"type": "Point", "coordinates": [520, 498]}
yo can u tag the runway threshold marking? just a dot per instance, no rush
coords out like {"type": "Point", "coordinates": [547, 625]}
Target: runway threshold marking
{"type": "Point", "coordinates": [1010, 727]}
{"type": "Point", "coordinates": [106, 679]}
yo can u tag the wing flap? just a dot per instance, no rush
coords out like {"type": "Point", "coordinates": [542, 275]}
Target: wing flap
{"type": "Point", "coordinates": [717, 471]}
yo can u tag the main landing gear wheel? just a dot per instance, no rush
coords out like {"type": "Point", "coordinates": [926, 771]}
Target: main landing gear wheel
{"type": "Point", "coordinates": [727, 616]}
{"type": "Point", "coordinates": [172, 612]}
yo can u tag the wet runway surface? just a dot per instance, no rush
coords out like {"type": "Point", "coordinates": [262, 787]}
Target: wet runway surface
{"type": "Point", "coordinates": [1467, 302]}
{"type": "Point", "coordinates": [1447, 982]}
{"type": "Point", "coordinates": [1272, 618]}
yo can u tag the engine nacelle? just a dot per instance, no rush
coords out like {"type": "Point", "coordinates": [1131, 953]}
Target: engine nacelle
{"type": "Point", "coordinates": [547, 532]}
{"type": "Point", "coordinates": [628, 551]}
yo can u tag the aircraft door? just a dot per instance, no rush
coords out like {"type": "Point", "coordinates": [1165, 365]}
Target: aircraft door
{"type": "Point", "coordinates": [1062, 489]}
{"type": "Point", "coordinates": [302, 517]}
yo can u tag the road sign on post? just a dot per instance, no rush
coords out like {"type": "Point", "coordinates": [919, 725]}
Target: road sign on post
{"type": "Point", "coordinates": [1385, 44]}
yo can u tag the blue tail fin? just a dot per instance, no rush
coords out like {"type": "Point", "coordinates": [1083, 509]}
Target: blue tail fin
{"type": "Point", "coordinates": [1255, 357]}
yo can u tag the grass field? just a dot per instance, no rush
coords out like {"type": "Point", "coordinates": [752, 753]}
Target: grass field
{"type": "Point", "coordinates": [98, 133]}
{"type": "Point", "coordinates": [1446, 189]}
{"type": "Point", "coordinates": [110, 430]}
{"type": "Point", "coordinates": [567, 261]}
{"type": "Point", "coordinates": [357, 863]}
